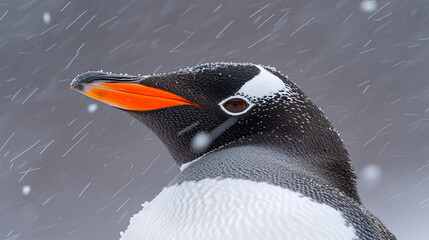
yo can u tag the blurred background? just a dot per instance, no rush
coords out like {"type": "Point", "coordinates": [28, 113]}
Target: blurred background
{"type": "Point", "coordinates": [73, 168]}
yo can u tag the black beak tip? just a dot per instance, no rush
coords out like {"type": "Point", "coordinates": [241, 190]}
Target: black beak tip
{"type": "Point", "coordinates": [99, 76]}
{"type": "Point", "coordinates": [87, 77]}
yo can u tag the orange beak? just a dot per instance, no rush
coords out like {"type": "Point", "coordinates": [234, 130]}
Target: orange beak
{"type": "Point", "coordinates": [125, 93]}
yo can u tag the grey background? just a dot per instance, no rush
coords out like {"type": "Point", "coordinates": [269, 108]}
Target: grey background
{"type": "Point", "coordinates": [89, 171]}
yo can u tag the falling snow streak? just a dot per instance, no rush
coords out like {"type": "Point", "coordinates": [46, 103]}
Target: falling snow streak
{"type": "Point", "coordinates": [7, 141]}
{"type": "Point", "coordinates": [304, 51]}
{"type": "Point", "coordinates": [4, 14]}
{"type": "Point", "coordinates": [384, 128]}
{"type": "Point", "coordinates": [84, 189]}
{"type": "Point", "coordinates": [260, 40]}
{"type": "Point", "coordinates": [71, 122]}
{"type": "Point", "coordinates": [190, 34]}
{"type": "Point", "coordinates": [151, 164]}
{"type": "Point", "coordinates": [82, 129]}
{"type": "Point", "coordinates": [15, 94]}
{"type": "Point", "coordinates": [47, 145]}
{"type": "Point", "coordinates": [369, 141]}
{"type": "Point", "coordinates": [396, 196]}
{"type": "Point", "coordinates": [186, 11]}
{"type": "Point", "coordinates": [367, 43]}
{"type": "Point", "coordinates": [421, 168]}
{"type": "Point", "coordinates": [368, 50]}
{"type": "Point", "coordinates": [201, 61]}
{"type": "Point", "coordinates": [422, 181]}
{"type": "Point", "coordinates": [122, 188]}
{"type": "Point", "coordinates": [160, 28]}
{"type": "Point", "coordinates": [107, 205]}
{"type": "Point", "coordinates": [372, 15]}
{"type": "Point", "coordinates": [379, 19]}
{"type": "Point", "coordinates": [75, 56]}
{"type": "Point", "coordinates": [347, 18]}
{"type": "Point", "coordinates": [425, 200]}
{"type": "Point", "coordinates": [78, 50]}
{"type": "Point", "coordinates": [218, 7]}
{"type": "Point", "coordinates": [32, 35]}
{"type": "Point", "coordinates": [39, 68]}
{"type": "Point", "coordinates": [188, 128]}
{"type": "Point", "coordinates": [259, 10]}
{"type": "Point", "coordinates": [202, 140]}
{"type": "Point", "coordinates": [26, 150]}
{"type": "Point", "coordinates": [76, 19]}
{"type": "Point", "coordinates": [48, 29]}
{"type": "Point", "coordinates": [65, 6]}
{"type": "Point", "coordinates": [123, 215]}
{"type": "Point", "coordinates": [14, 237]}
{"type": "Point", "coordinates": [180, 44]}
{"type": "Point", "coordinates": [345, 117]}
{"type": "Point", "coordinates": [117, 210]}
{"type": "Point", "coordinates": [171, 167]}
{"type": "Point", "coordinates": [107, 21]}
{"type": "Point", "coordinates": [265, 21]}
{"type": "Point", "coordinates": [73, 231]}
{"type": "Point", "coordinates": [230, 52]}
{"type": "Point", "coordinates": [74, 145]}
{"type": "Point", "coordinates": [221, 31]}
{"type": "Point", "coordinates": [382, 26]}
{"type": "Point", "coordinates": [397, 100]}
{"type": "Point", "coordinates": [157, 69]}
{"type": "Point", "coordinates": [49, 198]}
{"type": "Point", "coordinates": [87, 22]}
{"type": "Point", "coordinates": [51, 226]}
{"type": "Point", "coordinates": [25, 100]}
{"type": "Point", "coordinates": [303, 25]}
{"type": "Point", "coordinates": [333, 70]}
{"type": "Point", "coordinates": [346, 45]}
{"type": "Point", "coordinates": [399, 63]}
{"type": "Point", "coordinates": [278, 21]}
{"type": "Point", "coordinates": [121, 45]}
{"type": "Point", "coordinates": [49, 48]}
{"type": "Point", "coordinates": [222, 127]}
{"type": "Point", "coordinates": [24, 173]}
{"type": "Point", "coordinates": [12, 205]}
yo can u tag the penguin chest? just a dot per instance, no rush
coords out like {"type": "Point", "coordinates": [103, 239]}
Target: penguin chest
{"type": "Point", "coordinates": [235, 209]}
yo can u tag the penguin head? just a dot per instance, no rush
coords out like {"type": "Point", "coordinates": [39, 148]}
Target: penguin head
{"type": "Point", "coordinates": [197, 110]}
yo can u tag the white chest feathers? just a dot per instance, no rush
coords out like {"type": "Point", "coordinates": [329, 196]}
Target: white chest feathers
{"type": "Point", "coordinates": [235, 209]}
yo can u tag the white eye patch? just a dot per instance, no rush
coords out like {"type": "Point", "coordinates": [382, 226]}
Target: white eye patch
{"type": "Point", "coordinates": [265, 84]}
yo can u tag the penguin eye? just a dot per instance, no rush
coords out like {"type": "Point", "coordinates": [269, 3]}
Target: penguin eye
{"type": "Point", "coordinates": [235, 105]}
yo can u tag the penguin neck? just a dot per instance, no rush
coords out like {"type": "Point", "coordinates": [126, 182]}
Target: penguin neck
{"type": "Point", "coordinates": [327, 165]}
{"type": "Point", "coordinates": [316, 156]}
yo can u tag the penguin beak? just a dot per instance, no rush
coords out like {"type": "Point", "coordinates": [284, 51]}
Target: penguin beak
{"type": "Point", "coordinates": [125, 92]}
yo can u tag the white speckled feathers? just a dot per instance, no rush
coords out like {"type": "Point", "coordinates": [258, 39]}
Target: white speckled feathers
{"type": "Point", "coordinates": [235, 209]}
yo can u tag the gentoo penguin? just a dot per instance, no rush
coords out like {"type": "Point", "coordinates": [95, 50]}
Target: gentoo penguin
{"type": "Point", "coordinates": [258, 159]}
